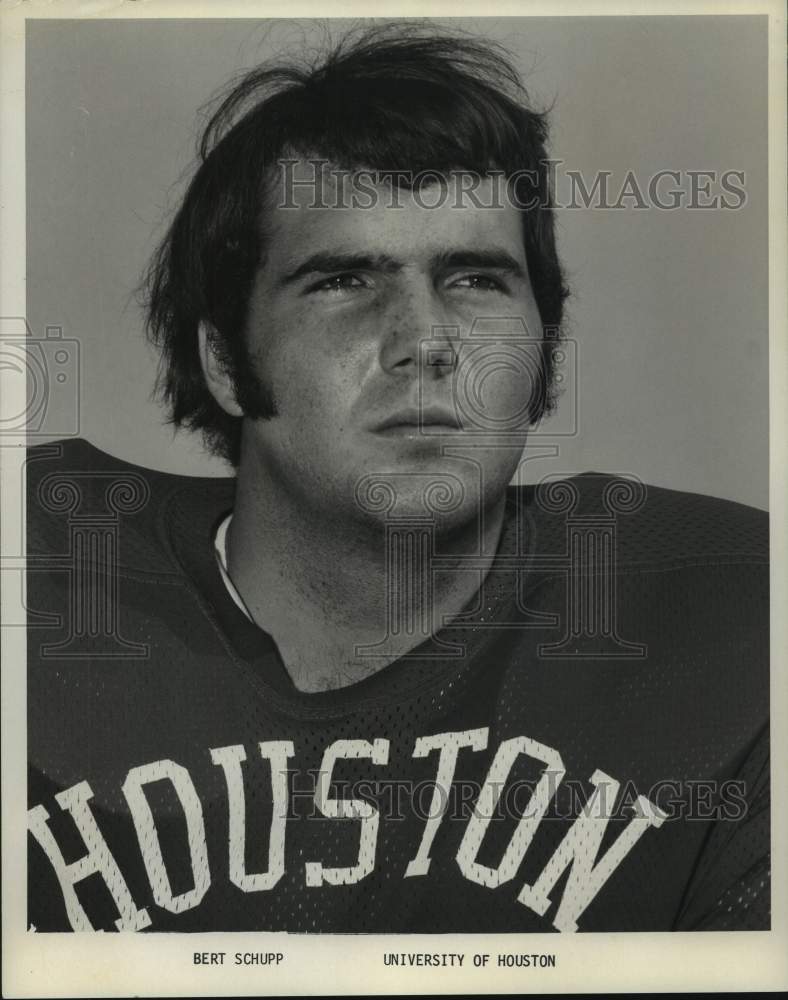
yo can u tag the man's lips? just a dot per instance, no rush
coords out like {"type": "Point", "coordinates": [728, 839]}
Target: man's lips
{"type": "Point", "coordinates": [429, 418]}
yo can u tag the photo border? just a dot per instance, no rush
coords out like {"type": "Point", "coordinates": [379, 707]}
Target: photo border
{"type": "Point", "coordinates": [55, 965]}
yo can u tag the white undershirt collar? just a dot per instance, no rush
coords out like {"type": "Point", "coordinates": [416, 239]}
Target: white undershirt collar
{"type": "Point", "coordinates": [220, 547]}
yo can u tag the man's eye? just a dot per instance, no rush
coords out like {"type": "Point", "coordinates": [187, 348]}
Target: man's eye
{"type": "Point", "coordinates": [479, 283]}
{"type": "Point", "coordinates": [338, 283]}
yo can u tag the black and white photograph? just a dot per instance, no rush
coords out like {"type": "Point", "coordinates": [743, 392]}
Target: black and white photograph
{"type": "Point", "coordinates": [393, 553]}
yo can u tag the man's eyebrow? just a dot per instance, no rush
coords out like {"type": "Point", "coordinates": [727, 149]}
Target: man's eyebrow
{"type": "Point", "coordinates": [495, 259]}
{"type": "Point", "coordinates": [329, 263]}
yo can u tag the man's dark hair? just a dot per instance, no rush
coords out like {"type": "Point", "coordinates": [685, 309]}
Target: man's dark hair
{"type": "Point", "coordinates": [395, 98]}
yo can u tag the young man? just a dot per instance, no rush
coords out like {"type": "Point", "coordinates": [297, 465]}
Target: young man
{"type": "Point", "coordinates": [366, 685]}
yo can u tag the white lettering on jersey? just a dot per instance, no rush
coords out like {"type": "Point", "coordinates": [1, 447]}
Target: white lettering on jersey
{"type": "Point", "coordinates": [230, 758]}
{"type": "Point", "coordinates": [579, 849]}
{"type": "Point", "coordinates": [378, 752]}
{"type": "Point", "coordinates": [486, 804]}
{"type": "Point", "coordinates": [148, 836]}
{"type": "Point", "coordinates": [449, 745]}
{"type": "Point", "coordinates": [98, 860]}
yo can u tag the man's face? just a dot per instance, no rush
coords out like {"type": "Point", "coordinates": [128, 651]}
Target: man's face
{"type": "Point", "coordinates": [361, 326]}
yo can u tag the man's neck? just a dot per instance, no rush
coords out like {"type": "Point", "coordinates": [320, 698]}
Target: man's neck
{"type": "Point", "coordinates": [323, 586]}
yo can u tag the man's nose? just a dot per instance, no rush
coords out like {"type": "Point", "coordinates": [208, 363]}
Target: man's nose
{"type": "Point", "coordinates": [418, 333]}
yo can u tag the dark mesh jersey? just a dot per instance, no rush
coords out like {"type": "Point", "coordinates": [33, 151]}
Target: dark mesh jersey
{"type": "Point", "coordinates": [584, 748]}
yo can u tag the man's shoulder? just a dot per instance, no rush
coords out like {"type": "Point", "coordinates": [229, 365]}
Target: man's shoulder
{"type": "Point", "coordinates": [651, 524]}
{"type": "Point", "coordinates": [120, 620]}
{"type": "Point", "coordinates": [72, 484]}
{"type": "Point", "coordinates": [81, 455]}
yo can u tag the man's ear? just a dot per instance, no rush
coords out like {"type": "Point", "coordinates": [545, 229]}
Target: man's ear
{"type": "Point", "coordinates": [217, 378]}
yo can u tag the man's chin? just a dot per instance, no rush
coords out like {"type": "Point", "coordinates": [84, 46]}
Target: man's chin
{"type": "Point", "coordinates": [445, 491]}
{"type": "Point", "coordinates": [439, 474]}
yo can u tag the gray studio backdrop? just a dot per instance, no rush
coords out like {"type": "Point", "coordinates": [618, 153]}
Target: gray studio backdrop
{"type": "Point", "coordinates": [669, 308]}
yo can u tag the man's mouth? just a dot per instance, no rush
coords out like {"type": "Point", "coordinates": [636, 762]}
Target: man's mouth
{"type": "Point", "coordinates": [412, 420]}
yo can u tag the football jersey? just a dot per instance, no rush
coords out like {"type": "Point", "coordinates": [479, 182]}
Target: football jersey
{"type": "Point", "coordinates": [584, 747]}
